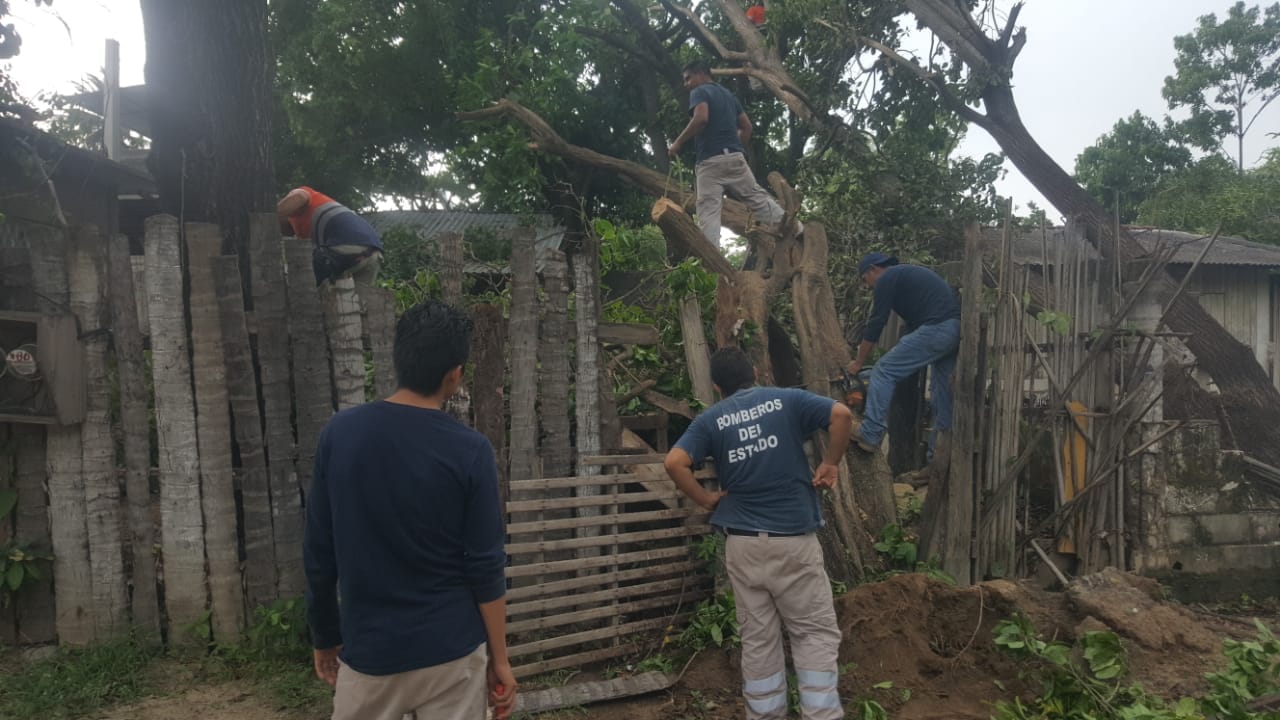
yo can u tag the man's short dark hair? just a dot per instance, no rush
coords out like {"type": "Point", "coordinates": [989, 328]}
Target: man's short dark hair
{"type": "Point", "coordinates": [432, 338]}
{"type": "Point", "coordinates": [697, 66]}
{"type": "Point", "coordinates": [732, 370]}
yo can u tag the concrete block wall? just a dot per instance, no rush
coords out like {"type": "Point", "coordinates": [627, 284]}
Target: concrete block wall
{"type": "Point", "coordinates": [1214, 519]}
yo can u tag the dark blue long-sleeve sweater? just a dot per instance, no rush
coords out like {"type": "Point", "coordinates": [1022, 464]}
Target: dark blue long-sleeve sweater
{"type": "Point", "coordinates": [919, 295]}
{"type": "Point", "coordinates": [404, 524]}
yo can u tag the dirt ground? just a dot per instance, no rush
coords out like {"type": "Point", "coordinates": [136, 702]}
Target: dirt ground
{"type": "Point", "coordinates": [932, 641]}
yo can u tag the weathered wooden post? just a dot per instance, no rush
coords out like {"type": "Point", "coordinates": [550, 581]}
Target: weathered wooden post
{"type": "Point", "coordinates": [86, 271]}
{"type": "Point", "coordinates": [553, 359]}
{"type": "Point", "coordinates": [270, 319]}
{"type": "Point", "coordinates": [956, 550]}
{"type": "Point", "coordinates": [181, 522]}
{"type": "Point", "coordinates": [135, 425]}
{"type": "Point", "coordinates": [697, 353]}
{"type": "Point", "coordinates": [242, 390]}
{"type": "Point", "coordinates": [342, 326]}
{"type": "Point", "coordinates": [524, 356]}
{"type": "Point", "coordinates": [213, 431]}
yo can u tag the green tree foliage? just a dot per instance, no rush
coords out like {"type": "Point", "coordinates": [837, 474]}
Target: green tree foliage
{"type": "Point", "coordinates": [1211, 193]}
{"type": "Point", "coordinates": [1227, 73]}
{"type": "Point", "coordinates": [1128, 163]}
{"type": "Point", "coordinates": [369, 88]}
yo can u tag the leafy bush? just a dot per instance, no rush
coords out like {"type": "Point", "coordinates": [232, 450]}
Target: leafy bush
{"type": "Point", "coordinates": [715, 622]}
{"type": "Point", "coordinates": [1086, 681]}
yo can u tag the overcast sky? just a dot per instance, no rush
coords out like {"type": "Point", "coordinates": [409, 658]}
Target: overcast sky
{"type": "Point", "coordinates": [1087, 64]}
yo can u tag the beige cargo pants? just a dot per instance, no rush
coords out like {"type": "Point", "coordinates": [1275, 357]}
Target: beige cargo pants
{"type": "Point", "coordinates": [456, 690]}
{"type": "Point", "coordinates": [777, 582]}
{"type": "Point", "coordinates": [729, 174]}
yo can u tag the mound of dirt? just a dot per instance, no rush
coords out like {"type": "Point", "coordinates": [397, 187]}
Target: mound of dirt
{"type": "Point", "coordinates": [933, 643]}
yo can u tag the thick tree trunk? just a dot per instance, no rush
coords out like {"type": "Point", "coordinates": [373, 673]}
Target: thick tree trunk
{"type": "Point", "coordinates": [270, 309]}
{"type": "Point", "coordinates": [135, 426]}
{"type": "Point", "coordinates": [208, 78]}
{"type": "Point", "coordinates": [553, 356]}
{"type": "Point", "coordinates": [524, 356]}
{"type": "Point", "coordinates": [862, 502]}
{"type": "Point", "coordinates": [242, 390]}
{"type": "Point", "coordinates": [213, 432]}
{"type": "Point", "coordinates": [181, 523]}
{"type": "Point", "coordinates": [87, 274]}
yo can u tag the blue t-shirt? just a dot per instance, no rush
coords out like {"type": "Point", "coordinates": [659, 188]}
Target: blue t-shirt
{"type": "Point", "coordinates": [721, 132]}
{"type": "Point", "coordinates": [404, 523]}
{"type": "Point", "coordinates": [756, 439]}
{"type": "Point", "coordinates": [919, 295]}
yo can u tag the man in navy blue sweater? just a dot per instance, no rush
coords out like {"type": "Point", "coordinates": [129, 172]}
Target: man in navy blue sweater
{"type": "Point", "coordinates": [404, 524]}
{"type": "Point", "coordinates": [931, 311]}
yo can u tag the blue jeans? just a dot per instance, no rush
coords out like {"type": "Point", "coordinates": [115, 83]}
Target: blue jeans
{"type": "Point", "coordinates": [934, 345]}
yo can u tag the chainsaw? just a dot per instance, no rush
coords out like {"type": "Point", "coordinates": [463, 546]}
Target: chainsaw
{"type": "Point", "coordinates": [854, 388]}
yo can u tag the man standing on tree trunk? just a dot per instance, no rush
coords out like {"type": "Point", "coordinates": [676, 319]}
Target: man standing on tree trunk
{"type": "Point", "coordinates": [769, 510]}
{"type": "Point", "coordinates": [346, 245]}
{"type": "Point", "coordinates": [931, 312]}
{"type": "Point", "coordinates": [720, 130]}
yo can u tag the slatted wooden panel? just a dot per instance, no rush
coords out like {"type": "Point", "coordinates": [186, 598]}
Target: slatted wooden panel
{"type": "Point", "coordinates": [624, 569]}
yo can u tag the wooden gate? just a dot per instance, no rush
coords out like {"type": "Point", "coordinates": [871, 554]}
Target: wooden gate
{"type": "Point", "coordinates": [612, 577]}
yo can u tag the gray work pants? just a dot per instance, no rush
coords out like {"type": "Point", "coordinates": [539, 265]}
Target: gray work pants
{"type": "Point", "coordinates": [781, 581]}
{"type": "Point", "coordinates": [730, 175]}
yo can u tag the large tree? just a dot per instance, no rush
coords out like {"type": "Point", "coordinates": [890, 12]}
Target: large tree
{"type": "Point", "coordinates": [1123, 168]}
{"type": "Point", "coordinates": [1226, 74]}
{"type": "Point", "coordinates": [987, 56]}
{"type": "Point", "coordinates": [1211, 195]}
{"type": "Point", "coordinates": [208, 74]}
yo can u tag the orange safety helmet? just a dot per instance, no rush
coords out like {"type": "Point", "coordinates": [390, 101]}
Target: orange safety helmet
{"type": "Point", "coordinates": [755, 14]}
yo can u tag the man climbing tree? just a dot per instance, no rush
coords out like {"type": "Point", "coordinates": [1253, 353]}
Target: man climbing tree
{"type": "Point", "coordinates": [720, 129]}
{"type": "Point", "coordinates": [931, 311]}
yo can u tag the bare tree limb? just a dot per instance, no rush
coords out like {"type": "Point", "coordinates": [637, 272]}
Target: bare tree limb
{"type": "Point", "coordinates": [957, 105]}
{"type": "Point", "coordinates": [691, 18]}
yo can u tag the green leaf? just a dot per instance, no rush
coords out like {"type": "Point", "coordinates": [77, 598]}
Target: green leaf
{"type": "Point", "coordinates": [884, 685]}
{"type": "Point", "coordinates": [717, 636]}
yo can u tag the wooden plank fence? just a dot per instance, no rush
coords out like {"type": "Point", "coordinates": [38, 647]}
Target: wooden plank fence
{"type": "Point", "coordinates": [631, 575]}
{"type": "Point", "coordinates": [602, 563]}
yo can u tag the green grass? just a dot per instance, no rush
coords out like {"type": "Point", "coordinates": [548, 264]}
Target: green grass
{"type": "Point", "coordinates": [72, 683]}
{"type": "Point", "coordinates": [272, 660]}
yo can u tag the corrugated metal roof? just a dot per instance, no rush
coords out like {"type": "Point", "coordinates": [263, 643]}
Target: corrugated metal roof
{"type": "Point", "coordinates": [1029, 247]}
{"type": "Point", "coordinates": [428, 224]}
